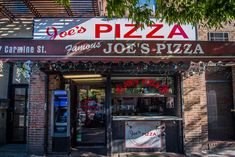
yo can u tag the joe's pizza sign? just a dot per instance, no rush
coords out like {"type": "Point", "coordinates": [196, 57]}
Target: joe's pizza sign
{"type": "Point", "coordinates": [103, 29]}
{"type": "Point", "coordinates": [103, 50]}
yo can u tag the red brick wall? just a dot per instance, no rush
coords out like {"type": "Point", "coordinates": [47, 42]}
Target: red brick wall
{"type": "Point", "coordinates": [202, 31]}
{"type": "Point", "coordinates": [195, 113]}
{"type": "Point", "coordinates": [36, 113]}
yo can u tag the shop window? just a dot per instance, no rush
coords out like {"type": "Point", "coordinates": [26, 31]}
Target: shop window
{"type": "Point", "coordinates": [20, 75]}
{"type": "Point", "coordinates": [218, 36]}
{"type": "Point", "coordinates": [4, 78]}
{"type": "Point", "coordinates": [143, 97]}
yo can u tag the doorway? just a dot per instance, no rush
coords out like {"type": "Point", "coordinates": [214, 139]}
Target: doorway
{"type": "Point", "coordinates": [88, 113]}
{"type": "Point", "coordinates": [17, 115]}
{"type": "Point", "coordinates": [219, 104]}
{"type": "Point", "coordinates": [91, 126]}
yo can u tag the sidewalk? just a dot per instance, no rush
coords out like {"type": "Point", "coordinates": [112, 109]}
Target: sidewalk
{"type": "Point", "coordinates": [13, 150]}
{"type": "Point", "coordinates": [145, 154]}
{"type": "Point", "coordinates": [215, 153]}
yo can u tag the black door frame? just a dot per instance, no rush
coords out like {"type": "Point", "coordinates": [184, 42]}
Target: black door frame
{"type": "Point", "coordinates": [10, 113]}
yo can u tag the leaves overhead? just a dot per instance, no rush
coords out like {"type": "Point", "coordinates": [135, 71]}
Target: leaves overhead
{"type": "Point", "coordinates": [65, 3]}
{"type": "Point", "coordinates": [211, 13]}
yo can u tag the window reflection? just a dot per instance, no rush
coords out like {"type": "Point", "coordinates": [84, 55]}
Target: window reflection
{"type": "Point", "coordinates": [143, 97]}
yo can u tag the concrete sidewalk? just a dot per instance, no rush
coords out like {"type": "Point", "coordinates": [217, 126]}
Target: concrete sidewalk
{"type": "Point", "coordinates": [137, 154]}
{"type": "Point", "coordinates": [215, 153]}
{"type": "Point", "coordinates": [145, 154]}
{"type": "Point", "coordinates": [15, 150]}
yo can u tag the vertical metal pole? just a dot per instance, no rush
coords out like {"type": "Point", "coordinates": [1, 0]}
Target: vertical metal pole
{"type": "Point", "coordinates": [108, 94]}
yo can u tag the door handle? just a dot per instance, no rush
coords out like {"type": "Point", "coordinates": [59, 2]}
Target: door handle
{"type": "Point", "coordinates": [11, 116]}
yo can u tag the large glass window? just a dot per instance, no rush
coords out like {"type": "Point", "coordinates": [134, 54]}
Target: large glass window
{"type": "Point", "coordinates": [18, 76]}
{"type": "Point", "coordinates": [4, 78]}
{"type": "Point", "coordinates": [143, 96]}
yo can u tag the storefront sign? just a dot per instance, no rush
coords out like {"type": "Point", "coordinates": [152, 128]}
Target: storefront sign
{"type": "Point", "coordinates": [116, 50]}
{"type": "Point", "coordinates": [144, 134]}
{"type": "Point", "coordinates": [104, 29]}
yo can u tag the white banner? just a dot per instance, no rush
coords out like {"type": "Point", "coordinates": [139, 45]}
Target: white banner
{"type": "Point", "coordinates": [144, 134]}
{"type": "Point", "coordinates": [103, 29]}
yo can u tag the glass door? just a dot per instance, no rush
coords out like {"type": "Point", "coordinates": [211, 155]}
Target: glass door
{"type": "Point", "coordinates": [91, 116]}
{"type": "Point", "coordinates": [18, 115]}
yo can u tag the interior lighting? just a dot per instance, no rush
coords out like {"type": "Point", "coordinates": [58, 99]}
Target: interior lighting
{"type": "Point", "coordinates": [82, 76]}
{"type": "Point", "coordinates": [88, 79]}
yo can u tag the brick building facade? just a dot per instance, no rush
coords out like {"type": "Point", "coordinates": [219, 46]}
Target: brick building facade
{"type": "Point", "coordinates": [194, 105]}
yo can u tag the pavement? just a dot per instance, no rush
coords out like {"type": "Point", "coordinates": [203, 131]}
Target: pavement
{"type": "Point", "coordinates": [13, 150]}
{"type": "Point", "coordinates": [215, 153]}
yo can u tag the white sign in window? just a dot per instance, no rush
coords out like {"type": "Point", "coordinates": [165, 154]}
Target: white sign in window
{"type": "Point", "coordinates": [144, 134]}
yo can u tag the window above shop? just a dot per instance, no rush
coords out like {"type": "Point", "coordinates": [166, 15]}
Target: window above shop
{"type": "Point", "coordinates": [218, 36]}
{"type": "Point", "coordinates": [151, 4]}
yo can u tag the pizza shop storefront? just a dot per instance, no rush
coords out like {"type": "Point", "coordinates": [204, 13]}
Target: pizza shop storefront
{"type": "Point", "coordinates": [114, 96]}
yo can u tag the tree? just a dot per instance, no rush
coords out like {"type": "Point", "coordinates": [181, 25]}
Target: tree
{"type": "Point", "coordinates": [211, 13]}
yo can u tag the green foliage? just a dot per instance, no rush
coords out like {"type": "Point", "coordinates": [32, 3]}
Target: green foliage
{"type": "Point", "coordinates": [211, 13]}
{"type": "Point", "coordinates": [65, 3]}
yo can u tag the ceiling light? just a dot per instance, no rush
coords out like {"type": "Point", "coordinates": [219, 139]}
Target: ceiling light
{"type": "Point", "coordinates": [81, 76]}
{"type": "Point", "coordinates": [1, 75]}
{"type": "Point", "coordinates": [133, 78]}
{"type": "Point", "coordinates": [89, 79]}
